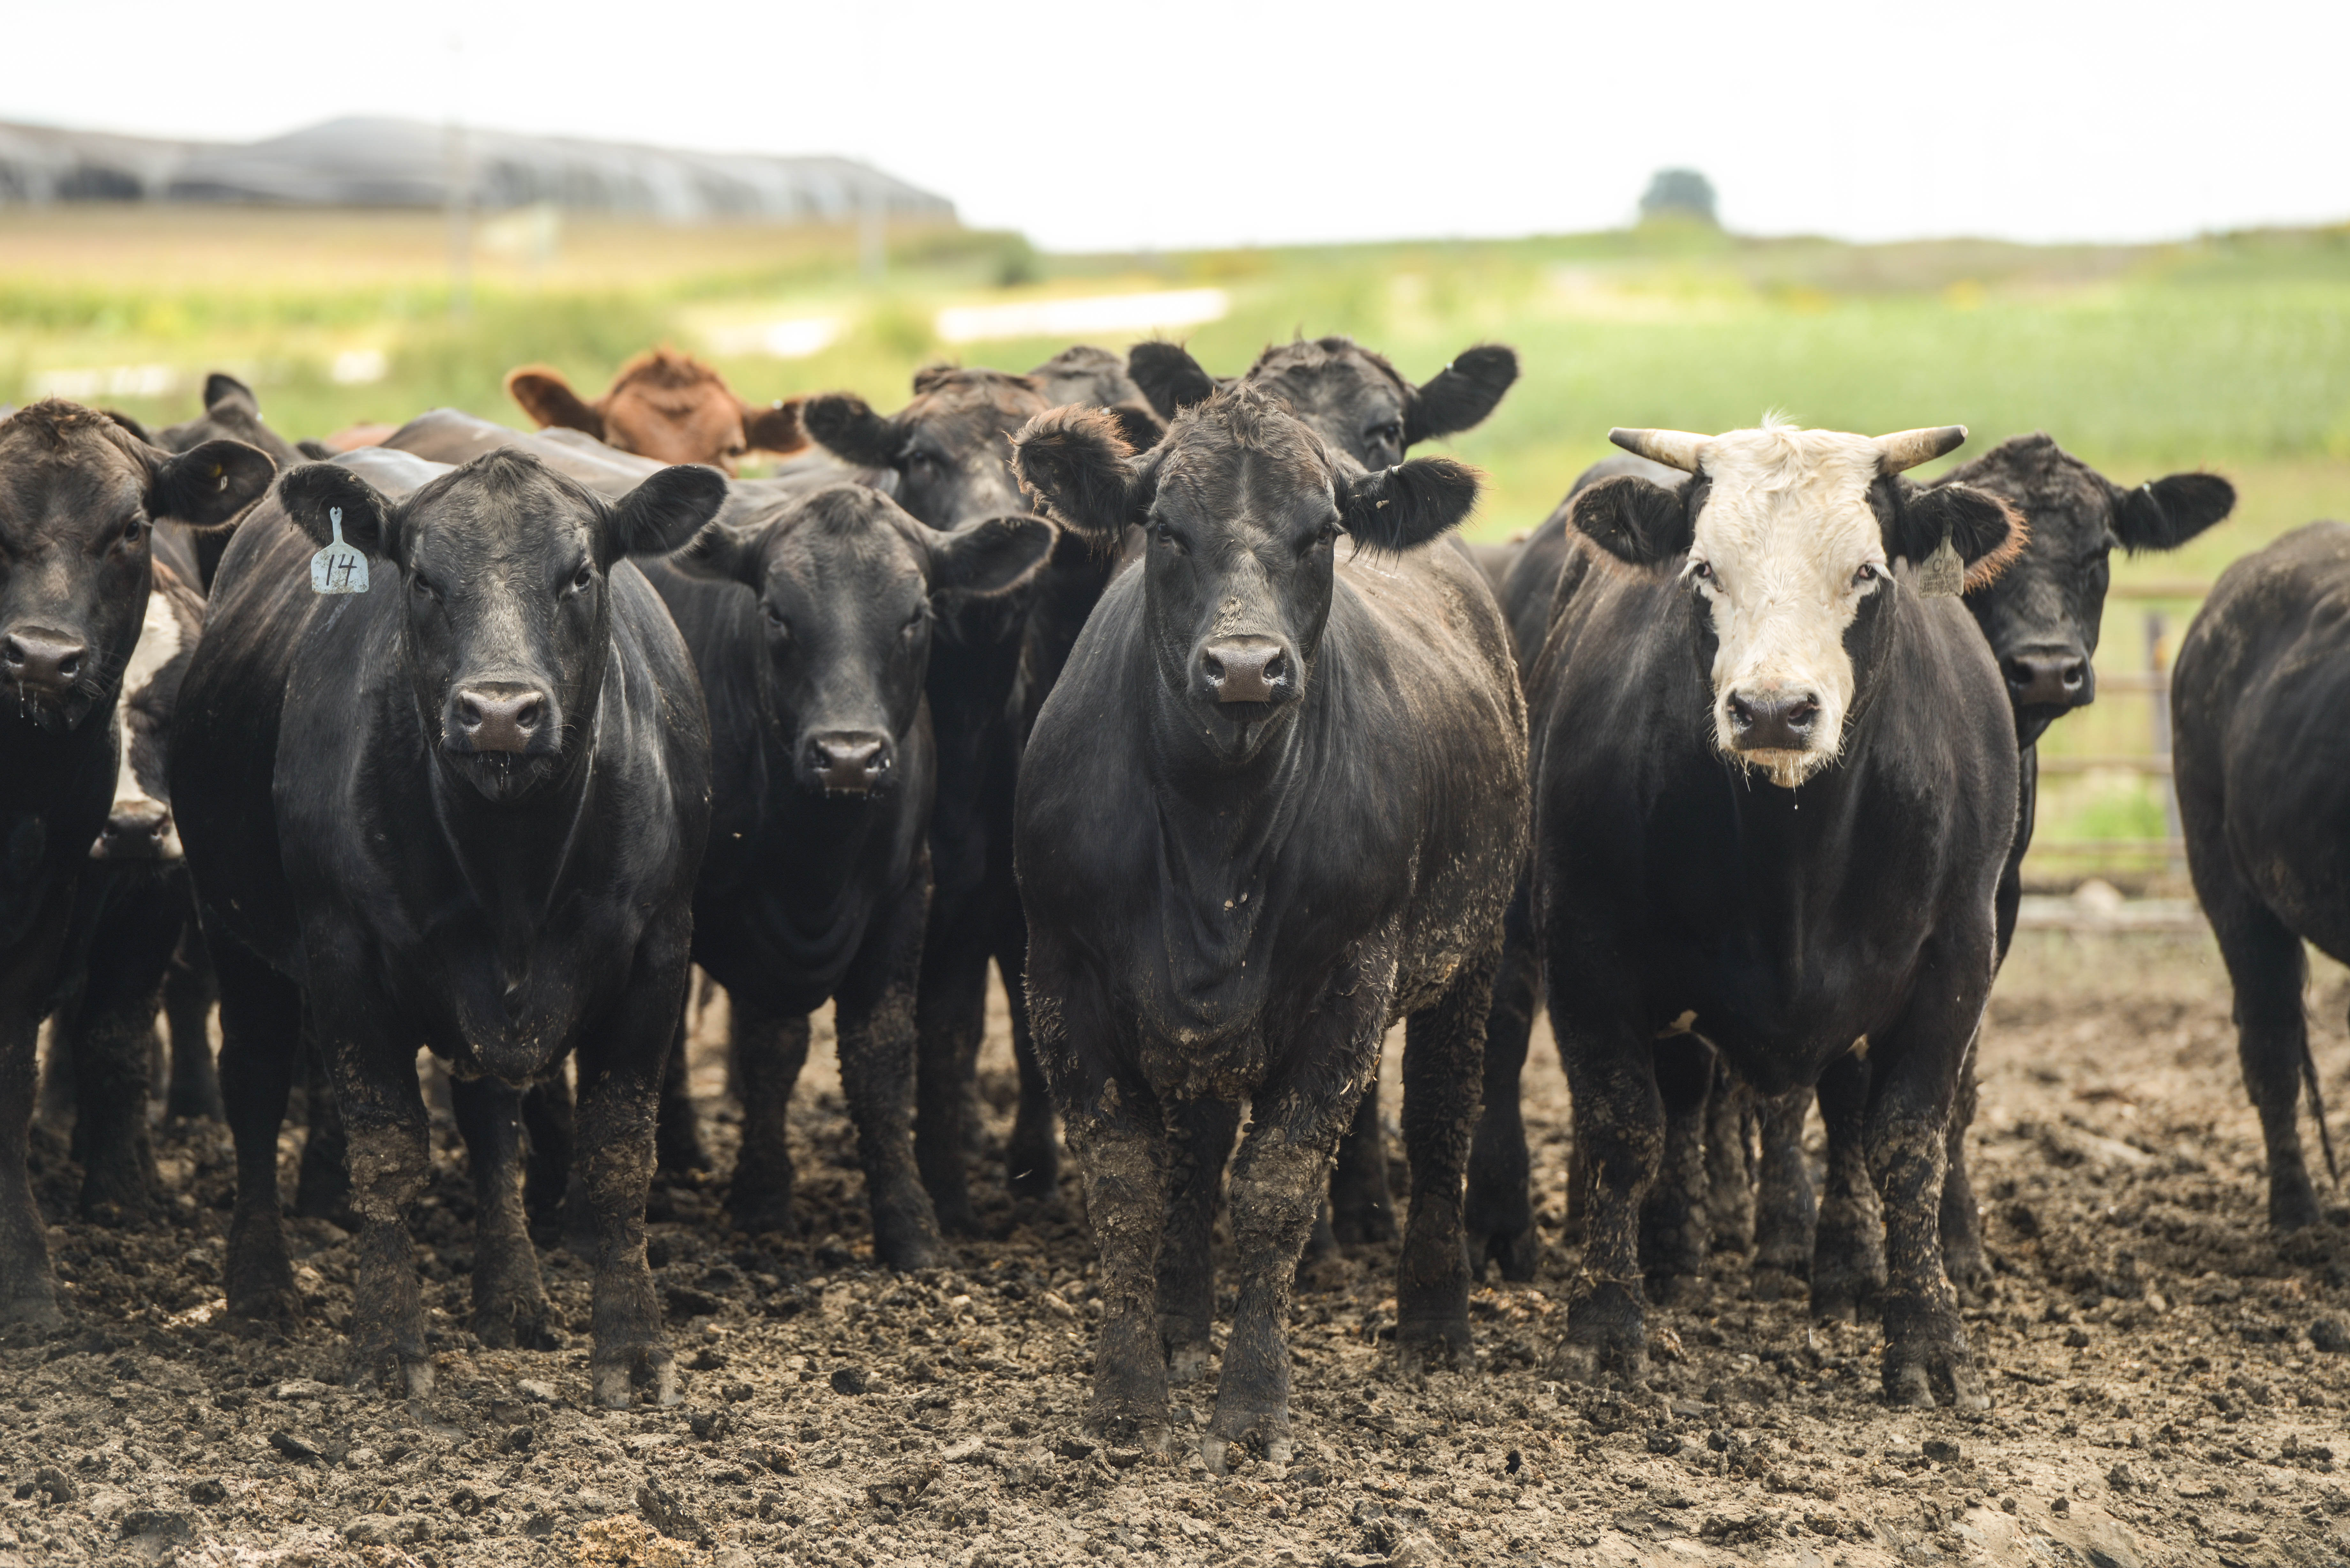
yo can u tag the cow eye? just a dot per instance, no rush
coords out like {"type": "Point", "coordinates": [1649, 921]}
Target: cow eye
{"type": "Point", "coordinates": [132, 532]}
{"type": "Point", "coordinates": [914, 624]}
{"type": "Point", "coordinates": [775, 618]}
{"type": "Point", "coordinates": [1165, 535]}
{"type": "Point", "coordinates": [1321, 536]}
{"type": "Point", "coordinates": [1388, 434]}
{"type": "Point", "coordinates": [583, 577]}
{"type": "Point", "coordinates": [1870, 572]}
{"type": "Point", "coordinates": [1702, 570]}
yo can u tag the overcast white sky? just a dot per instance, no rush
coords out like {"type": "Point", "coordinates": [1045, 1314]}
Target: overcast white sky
{"type": "Point", "coordinates": [1115, 124]}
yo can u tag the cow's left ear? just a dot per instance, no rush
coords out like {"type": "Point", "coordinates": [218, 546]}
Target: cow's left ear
{"type": "Point", "coordinates": [1634, 519]}
{"type": "Point", "coordinates": [989, 557]}
{"type": "Point", "coordinates": [664, 513]}
{"type": "Point", "coordinates": [1169, 376]}
{"type": "Point", "coordinates": [2167, 512]}
{"type": "Point", "coordinates": [1459, 396]}
{"type": "Point", "coordinates": [1408, 505]}
{"type": "Point", "coordinates": [315, 492]}
{"type": "Point", "coordinates": [775, 427]}
{"type": "Point", "coordinates": [212, 485]}
{"type": "Point", "coordinates": [1140, 427]}
{"type": "Point", "coordinates": [1986, 531]}
{"type": "Point", "coordinates": [719, 554]}
{"type": "Point", "coordinates": [1078, 467]}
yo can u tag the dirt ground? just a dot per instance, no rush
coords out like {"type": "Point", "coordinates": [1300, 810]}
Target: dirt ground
{"type": "Point", "coordinates": [2170, 1388]}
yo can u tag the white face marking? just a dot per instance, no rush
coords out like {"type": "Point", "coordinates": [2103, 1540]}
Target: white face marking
{"type": "Point", "coordinates": [160, 641]}
{"type": "Point", "coordinates": [1780, 552]}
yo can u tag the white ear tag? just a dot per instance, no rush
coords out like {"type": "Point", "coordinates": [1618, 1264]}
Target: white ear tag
{"type": "Point", "coordinates": [337, 568]}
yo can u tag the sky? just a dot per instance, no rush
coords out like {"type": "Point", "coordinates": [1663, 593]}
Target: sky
{"type": "Point", "coordinates": [1110, 125]}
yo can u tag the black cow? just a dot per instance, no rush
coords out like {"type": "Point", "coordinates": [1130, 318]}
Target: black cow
{"type": "Point", "coordinates": [1775, 785]}
{"type": "Point", "coordinates": [1275, 802]}
{"type": "Point", "coordinates": [463, 809]}
{"type": "Point", "coordinates": [2263, 764]}
{"type": "Point", "coordinates": [1361, 405]}
{"type": "Point", "coordinates": [810, 623]}
{"type": "Point", "coordinates": [945, 457]}
{"type": "Point", "coordinates": [79, 499]}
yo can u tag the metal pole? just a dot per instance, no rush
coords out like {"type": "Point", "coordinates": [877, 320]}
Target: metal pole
{"type": "Point", "coordinates": [457, 178]}
{"type": "Point", "coordinates": [2158, 686]}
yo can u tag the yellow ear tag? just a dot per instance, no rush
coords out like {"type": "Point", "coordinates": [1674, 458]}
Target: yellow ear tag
{"type": "Point", "coordinates": [1942, 575]}
{"type": "Point", "coordinates": [337, 568]}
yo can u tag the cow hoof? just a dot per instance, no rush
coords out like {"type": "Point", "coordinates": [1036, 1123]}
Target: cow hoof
{"type": "Point", "coordinates": [1424, 1345]}
{"type": "Point", "coordinates": [1262, 1432]}
{"type": "Point", "coordinates": [1128, 1423]}
{"type": "Point", "coordinates": [1597, 1365]}
{"type": "Point", "coordinates": [956, 1216]}
{"type": "Point", "coordinates": [1773, 1285]}
{"type": "Point", "coordinates": [409, 1371]}
{"type": "Point", "coordinates": [1212, 1453]}
{"type": "Point", "coordinates": [751, 1216]}
{"type": "Point", "coordinates": [1362, 1225]}
{"type": "Point", "coordinates": [275, 1302]}
{"type": "Point", "coordinates": [1032, 1163]}
{"type": "Point", "coordinates": [653, 1370]}
{"type": "Point", "coordinates": [910, 1251]}
{"type": "Point", "coordinates": [523, 1324]}
{"type": "Point", "coordinates": [1187, 1363]}
{"type": "Point", "coordinates": [1839, 1297]}
{"type": "Point", "coordinates": [1517, 1253]}
{"type": "Point", "coordinates": [35, 1308]}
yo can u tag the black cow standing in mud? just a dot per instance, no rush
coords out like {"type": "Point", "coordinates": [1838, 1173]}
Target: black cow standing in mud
{"type": "Point", "coordinates": [1360, 404]}
{"type": "Point", "coordinates": [1275, 802]}
{"type": "Point", "coordinates": [1776, 786]}
{"type": "Point", "coordinates": [2261, 758]}
{"type": "Point", "coordinates": [79, 498]}
{"type": "Point", "coordinates": [463, 809]}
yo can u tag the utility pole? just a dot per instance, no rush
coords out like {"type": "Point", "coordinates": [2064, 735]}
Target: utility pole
{"type": "Point", "coordinates": [457, 176]}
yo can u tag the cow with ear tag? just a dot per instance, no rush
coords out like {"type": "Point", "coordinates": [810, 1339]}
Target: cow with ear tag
{"type": "Point", "coordinates": [1275, 805]}
{"type": "Point", "coordinates": [80, 496]}
{"type": "Point", "coordinates": [1775, 783]}
{"type": "Point", "coordinates": [463, 809]}
{"type": "Point", "coordinates": [810, 620]}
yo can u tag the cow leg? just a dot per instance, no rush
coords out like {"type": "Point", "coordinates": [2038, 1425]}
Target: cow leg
{"type": "Point", "coordinates": [112, 1023]}
{"type": "Point", "coordinates": [1848, 1246]}
{"type": "Point", "coordinates": [1787, 1210]}
{"type": "Point", "coordinates": [510, 1304]}
{"type": "Point", "coordinates": [1499, 1212]}
{"type": "Point", "coordinates": [769, 1050]}
{"type": "Point", "coordinates": [189, 994]}
{"type": "Point", "coordinates": [1673, 1214]}
{"type": "Point", "coordinates": [1444, 1065]}
{"type": "Point", "coordinates": [261, 1044]}
{"type": "Point", "coordinates": [2267, 967]}
{"type": "Point", "coordinates": [27, 1291]}
{"type": "Point", "coordinates": [875, 1013]}
{"type": "Point", "coordinates": [677, 1135]}
{"type": "Point", "coordinates": [620, 1069]}
{"type": "Point", "coordinates": [1361, 1210]}
{"type": "Point", "coordinates": [548, 1142]}
{"type": "Point", "coordinates": [950, 1021]}
{"type": "Point", "coordinates": [1962, 1247]}
{"type": "Point", "coordinates": [1199, 1140]}
{"type": "Point", "coordinates": [1729, 1163]}
{"type": "Point", "coordinates": [1912, 1080]}
{"type": "Point", "coordinates": [1619, 1132]}
{"type": "Point", "coordinates": [389, 1131]}
{"type": "Point", "coordinates": [322, 1185]}
{"type": "Point", "coordinates": [1032, 1158]}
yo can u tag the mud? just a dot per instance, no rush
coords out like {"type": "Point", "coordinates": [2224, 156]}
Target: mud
{"type": "Point", "coordinates": [2169, 1386]}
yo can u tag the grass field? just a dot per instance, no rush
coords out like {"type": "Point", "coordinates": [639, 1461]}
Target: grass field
{"type": "Point", "coordinates": [2228, 352]}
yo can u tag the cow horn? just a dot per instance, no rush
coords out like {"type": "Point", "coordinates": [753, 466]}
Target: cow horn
{"type": "Point", "coordinates": [1674, 448]}
{"type": "Point", "coordinates": [1908, 448]}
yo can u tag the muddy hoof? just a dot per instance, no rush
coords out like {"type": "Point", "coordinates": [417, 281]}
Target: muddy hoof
{"type": "Point", "coordinates": [1841, 1293]}
{"type": "Point", "coordinates": [522, 1325]}
{"type": "Point", "coordinates": [645, 1372]}
{"type": "Point", "coordinates": [32, 1305]}
{"type": "Point", "coordinates": [907, 1244]}
{"type": "Point", "coordinates": [1939, 1375]}
{"type": "Point", "coordinates": [956, 1216]}
{"type": "Point", "coordinates": [1188, 1362]}
{"type": "Point", "coordinates": [1517, 1253]}
{"type": "Point", "coordinates": [1424, 1345]}
{"type": "Point", "coordinates": [1360, 1224]}
{"type": "Point", "coordinates": [1770, 1284]}
{"type": "Point", "coordinates": [1128, 1423]}
{"type": "Point", "coordinates": [1032, 1164]}
{"type": "Point", "coordinates": [402, 1374]}
{"type": "Point", "coordinates": [753, 1214]}
{"type": "Point", "coordinates": [1264, 1433]}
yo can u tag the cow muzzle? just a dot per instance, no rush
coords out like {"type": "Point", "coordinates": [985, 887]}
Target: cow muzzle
{"type": "Point", "coordinates": [851, 764]}
{"type": "Point", "coordinates": [1772, 721]}
{"type": "Point", "coordinates": [139, 827]}
{"type": "Point", "coordinates": [1246, 668]}
{"type": "Point", "coordinates": [45, 670]}
{"type": "Point", "coordinates": [500, 716]}
{"type": "Point", "coordinates": [2060, 680]}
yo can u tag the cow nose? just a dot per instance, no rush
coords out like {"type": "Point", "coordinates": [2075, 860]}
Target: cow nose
{"type": "Point", "coordinates": [849, 761]}
{"type": "Point", "coordinates": [134, 829]}
{"type": "Point", "coordinates": [1773, 720]}
{"type": "Point", "coordinates": [43, 662]}
{"type": "Point", "coordinates": [1246, 668]}
{"type": "Point", "coordinates": [2048, 679]}
{"type": "Point", "coordinates": [499, 716]}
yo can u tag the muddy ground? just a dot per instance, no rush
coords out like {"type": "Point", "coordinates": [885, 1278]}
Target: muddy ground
{"type": "Point", "coordinates": [2171, 1389]}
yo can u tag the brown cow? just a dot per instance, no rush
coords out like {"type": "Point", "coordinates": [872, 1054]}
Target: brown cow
{"type": "Point", "coordinates": [663, 405]}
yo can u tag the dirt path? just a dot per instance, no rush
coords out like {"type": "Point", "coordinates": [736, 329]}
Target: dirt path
{"type": "Point", "coordinates": [2170, 1388]}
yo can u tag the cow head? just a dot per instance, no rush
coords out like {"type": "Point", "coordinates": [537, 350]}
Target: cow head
{"type": "Point", "coordinates": [79, 497]}
{"type": "Point", "coordinates": [502, 566]}
{"type": "Point", "coordinates": [231, 410]}
{"type": "Point", "coordinates": [949, 451]}
{"type": "Point", "coordinates": [846, 582]}
{"type": "Point", "coordinates": [1785, 538]}
{"type": "Point", "coordinates": [665, 405]}
{"type": "Point", "coordinates": [1353, 399]}
{"type": "Point", "coordinates": [2042, 614]}
{"type": "Point", "coordinates": [1243, 504]}
{"type": "Point", "coordinates": [1088, 377]}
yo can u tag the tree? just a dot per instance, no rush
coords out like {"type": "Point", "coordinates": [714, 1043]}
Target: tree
{"type": "Point", "coordinates": [1678, 193]}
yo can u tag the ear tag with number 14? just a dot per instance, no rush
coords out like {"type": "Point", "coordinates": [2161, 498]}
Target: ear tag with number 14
{"type": "Point", "coordinates": [338, 568]}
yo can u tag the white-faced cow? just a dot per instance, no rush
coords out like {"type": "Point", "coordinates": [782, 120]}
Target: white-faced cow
{"type": "Point", "coordinates": [1775, 784]}
{"type": "Point", "coordinates": [1275, 803]}
{"type": "Point", "coordinates": [79, 498]}
{"type": "Point", "coordinates": [465, 810]}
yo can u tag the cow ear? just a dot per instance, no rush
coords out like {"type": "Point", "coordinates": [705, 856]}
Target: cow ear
{"type": "Point", "coordinates": [991, 557]}
{"type": "Point", "coordinates": [775, 427]}
{"type": "Point", "coordinates": [314, 492]}
{"type": "Point", "coordinates": [1141, 429]}
{"type": "Point", "coordinates": [314, 448]}
{"type": "Point", "coordinates": [845, 425]}
{"type": "Point", "coordinates": [1459, 396]}
{"type": "Point", "coordinates": [2167, 512]}
{"type": "Point", "coordinates": [210, 485]}
{"type": "Point", "coordinates": [719, 554]}
{"type": "Point", "coordinates": [1634, 520]}
{"type": "Point", "coordinates": [219, 387]}
{"type": "Point", "coordinates": [1408, 505]}
{"type": "Point", "coordinates": [1169, 376]}
{"type": "Point", "coordinates": [548, 399]}
{"type": "Point", "coordinates": [1986, 531]}
{"type": "Point", "coordinates": [1075, 463]}
{"type": "Point", "coordinates": [665, 512]}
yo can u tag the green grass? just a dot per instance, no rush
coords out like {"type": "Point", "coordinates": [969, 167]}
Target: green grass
{"type": "Point", "coordinates": [2227, 352]}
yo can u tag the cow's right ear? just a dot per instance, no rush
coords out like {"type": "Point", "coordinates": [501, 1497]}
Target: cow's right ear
{"type": "Point", "coordinates": [1169, 376]}
{"type": "Point", "coordinates": [2164, 513]}
{"type": "Point", "coordinates": [720, 554]}
{"type": "Point", "coordinates": [1140, 427]}
{"type": "Point", "coordinates": [548, 399]}
{"type": "Point", "coordinates": [1634, 520]}
{"type": "Point", "coordinates": [666, 512]}
{"type": "Point", "coordinates": [845, 425]}
{"type": "Point", "coordinates": [219, 387]}
{"type": "Point", "coordinates": [775, 427]}
{"type": "Point", "coordinates": [212, 484]}
{"type": "Point", "coordinates": [313, 492]}
{"type": "Point", "coordinates": [1076, 465]}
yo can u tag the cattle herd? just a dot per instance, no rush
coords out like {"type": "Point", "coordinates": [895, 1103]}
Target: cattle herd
{"type": "Point", "coordinates": [1173, 696]}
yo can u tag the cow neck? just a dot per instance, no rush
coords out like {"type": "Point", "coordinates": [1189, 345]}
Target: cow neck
{"type": "Point", "coordinates": [46, 781]}
{"type": "Point", "coordinates": [819, 843]}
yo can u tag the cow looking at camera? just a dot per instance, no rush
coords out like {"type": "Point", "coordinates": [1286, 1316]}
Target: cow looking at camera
{"type": "Point", "coordinates": [664, 405]}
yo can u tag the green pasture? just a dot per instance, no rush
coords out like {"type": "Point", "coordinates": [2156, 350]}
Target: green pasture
{"type": "Point", "coordinates": [2229, 352]}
